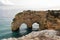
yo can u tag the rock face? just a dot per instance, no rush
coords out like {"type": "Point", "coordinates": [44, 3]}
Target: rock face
{"type": "Point", "coordinates": [39, 35]}
{"type": "Point", "coordinates": [46, 19]}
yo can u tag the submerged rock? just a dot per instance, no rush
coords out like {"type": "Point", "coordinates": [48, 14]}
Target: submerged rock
{"type": "Point", "coordinates": [39, 35]}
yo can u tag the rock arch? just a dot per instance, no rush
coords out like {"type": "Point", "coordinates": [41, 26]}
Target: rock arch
{"type": "Point", "coordinates": [29, 17]}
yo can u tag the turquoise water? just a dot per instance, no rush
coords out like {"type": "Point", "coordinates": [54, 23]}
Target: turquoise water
{"type": "Point", "coordinates": [5, 29]}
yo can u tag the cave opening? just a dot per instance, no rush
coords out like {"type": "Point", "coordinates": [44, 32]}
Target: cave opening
{"type": "Point", "coordinates": [23, 26]}
{"type": "Point", "coordinates": [35, 26]}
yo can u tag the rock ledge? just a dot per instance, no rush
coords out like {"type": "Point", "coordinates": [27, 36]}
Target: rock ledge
{"type": "Point", "coordinates": [39, 35]}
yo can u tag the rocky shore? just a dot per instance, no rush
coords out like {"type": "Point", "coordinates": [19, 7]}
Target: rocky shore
{"type": "Point", "coordinates": [39, 35]}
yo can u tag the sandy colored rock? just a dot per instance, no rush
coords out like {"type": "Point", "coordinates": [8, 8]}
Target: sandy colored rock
{"type": "Point", "coordinates": [46, 19]}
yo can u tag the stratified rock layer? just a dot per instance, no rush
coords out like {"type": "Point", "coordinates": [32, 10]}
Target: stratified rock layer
{"type": "Point", "coordinates": [46, 19]}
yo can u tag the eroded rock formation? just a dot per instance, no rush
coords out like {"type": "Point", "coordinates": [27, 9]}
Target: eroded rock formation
{"type": "Point", "coordinates": [46, 19]}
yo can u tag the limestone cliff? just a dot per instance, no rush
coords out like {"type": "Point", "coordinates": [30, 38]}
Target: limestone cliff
{"type": "Point", "coordinates": [46, 19]}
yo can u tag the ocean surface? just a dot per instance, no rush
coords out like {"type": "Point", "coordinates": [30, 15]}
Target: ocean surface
{"type": "Point", "coordinates": [5, 29]}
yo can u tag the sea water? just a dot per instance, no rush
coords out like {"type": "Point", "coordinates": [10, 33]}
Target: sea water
{"type": "Point", "coordinates": [5, 29]}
